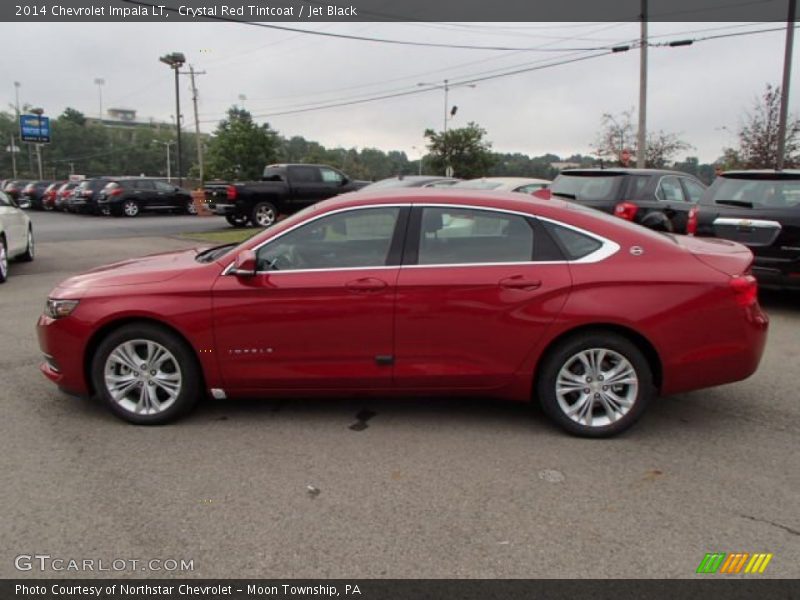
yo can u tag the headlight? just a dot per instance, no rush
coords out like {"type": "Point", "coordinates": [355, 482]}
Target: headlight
{"type": "Point", "coordinates": [57, 309]}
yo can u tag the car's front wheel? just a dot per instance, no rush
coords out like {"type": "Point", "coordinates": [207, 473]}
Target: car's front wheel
{"type": "Point", "coordinates": [264, 214]}
{"type": "Point", "coordinates": [146, 374]}
{"type": "Point", "coordinates": [3, 259]}
{"type": "Point", "coordinates": [30, 250]}
{"type": "Point", "coordinates": [595, 384]}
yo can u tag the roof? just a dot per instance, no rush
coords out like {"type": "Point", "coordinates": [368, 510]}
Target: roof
{"type": "Point", "coordinates": [509, 180]}
{"type": "Point", "coordinates": [763, 174]}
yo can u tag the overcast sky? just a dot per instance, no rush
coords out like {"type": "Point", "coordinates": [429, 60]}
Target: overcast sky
{"type": "Point", "coordinates": [696, 91]}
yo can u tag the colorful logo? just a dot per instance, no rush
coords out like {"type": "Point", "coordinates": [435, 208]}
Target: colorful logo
{"type": "Point", "coordinates": [736, 562]}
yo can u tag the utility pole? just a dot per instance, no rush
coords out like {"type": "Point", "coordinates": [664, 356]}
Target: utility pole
{"type": "Point", "coordinates": [192, 73]}
{"type": "Point", "coordinates": [641, 150]}
{"type": "Point", "coordinates": [787, 71]}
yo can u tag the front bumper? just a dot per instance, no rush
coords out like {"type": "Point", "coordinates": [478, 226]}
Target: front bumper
{"type": "Point", "coordinates": [63, 343]}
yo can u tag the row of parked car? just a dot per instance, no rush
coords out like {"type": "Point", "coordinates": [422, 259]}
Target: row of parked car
{"type": "Point", "coordinates": [117, 196]}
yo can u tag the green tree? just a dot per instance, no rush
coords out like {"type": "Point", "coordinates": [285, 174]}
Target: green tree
{"type": "Point", "coordinates": [240, 148]}
{"type": "Point", "coordinates": [758, 136]}
{"type": "Point", "coordinates": [464, 149]}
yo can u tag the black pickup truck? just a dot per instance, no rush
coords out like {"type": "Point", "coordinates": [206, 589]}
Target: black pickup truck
{"type": "Point", "coordinates": [283, 190]}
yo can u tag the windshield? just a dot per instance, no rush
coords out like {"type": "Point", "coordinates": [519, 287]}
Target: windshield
{"type": "Point", "coordinates": [589, 187]}
{"type": "Point", "coordinates": [754, 193]}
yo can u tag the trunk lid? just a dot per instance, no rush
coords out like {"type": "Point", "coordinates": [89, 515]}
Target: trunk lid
{"type": "Point", "coordinates": [722, 255]}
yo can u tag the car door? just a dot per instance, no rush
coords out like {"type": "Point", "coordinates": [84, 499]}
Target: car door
{"type": "Point", "coordinates": [144, 192]}
{"type": "Point", "coordinates": [319, 312]}
{"type": "Point", "coordinates": [306, 184]}
{"type": "Point", "coordinates": [477, 290]}
{"type": "Point", "coordinates": [15, 225]}
{"type": "Point", "coordinates": [167, 195]}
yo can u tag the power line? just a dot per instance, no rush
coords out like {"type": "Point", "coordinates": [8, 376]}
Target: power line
{"type": "Point", "coordinates": [375, 40]}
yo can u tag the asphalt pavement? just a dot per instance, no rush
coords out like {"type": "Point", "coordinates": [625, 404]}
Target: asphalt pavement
{"type": "Point", "coordinates": [383, 488]}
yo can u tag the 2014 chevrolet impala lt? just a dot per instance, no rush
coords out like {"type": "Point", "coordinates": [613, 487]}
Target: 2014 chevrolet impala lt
{"type": "Point", "coordinates": [416, 292]}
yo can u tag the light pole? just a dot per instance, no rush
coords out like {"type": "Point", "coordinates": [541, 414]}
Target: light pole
{"type": "Point", "coordinates": [169, 162]}
{"type": "Point", "coordinates": [39, 112]}
{"type": "Point", "coordinates": [421, 157]}
{"type": "Point", "coordinates": [175, 61]}
{"type": "Point", "coordinates": [242, 98]}
{"type": "Point", "coordinates": [100, 82]}
{"type": "Point", "coordinates": [16, 96]}
{"type": "Point", "coordinates": [448, 113]}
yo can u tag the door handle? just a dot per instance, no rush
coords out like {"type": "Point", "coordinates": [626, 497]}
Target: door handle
{"type": "Point", "coordinates": [366, 284]}
{"type": "Point", "coordinates": [518, 282]}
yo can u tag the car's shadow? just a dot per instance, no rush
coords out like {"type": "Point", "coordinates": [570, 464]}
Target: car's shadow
{"type": "Point", "coordinates": [779, 299]}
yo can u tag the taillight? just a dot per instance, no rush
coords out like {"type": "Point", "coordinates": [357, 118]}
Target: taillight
{"type": "Point", "coordinates": [691, 223]}
{"type": "Point", "coordinates": [626, 210]}
{"type": "Point", "coordinates": [745, 289]}
{"type": "Point", "coordinates": [230, 192]}
{"type": "Point", "coordinates": [28, 188]}
{"type": "Point", "coordinates": [117, 191]}
{"type": "Point", "coordinates": [86, 193]}
{"type": "Point", "coordinates": [542, 194]}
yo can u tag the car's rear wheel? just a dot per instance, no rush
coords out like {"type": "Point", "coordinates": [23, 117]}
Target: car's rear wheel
{"type": "Point", "coordinates": [146, 374]}
{"type": "Point", "coordinates": [30, 251]}
{"type": "Point", "coordinates": [237, 220]}
{"type": "Point", "coordinates": [3, 259]}
{"type": "Point", "coordinates": [190, 208]}
{"type": "Point", "coordinates": [130, 208]}
{"type": "Point", "coordinates": [595, 384]}
{"type": "Point", "coordinates": [264, 214]}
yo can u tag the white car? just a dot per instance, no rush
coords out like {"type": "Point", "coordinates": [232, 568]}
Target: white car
{"type": "Point", "coordinates": [524, 185]}
{"type": "Point", "coordinates": [16, 234]}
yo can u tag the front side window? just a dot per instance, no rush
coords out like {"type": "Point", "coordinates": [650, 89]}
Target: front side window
{"type": "Point", "coordinates": [163, 187]}
{"type": "Point", "coordinates": [352, 239]}
{"type": "Point", "coordinates": [468, 236]}
{"type": "Point", "coordinates": [331, 176]}
{"type": "Point", "coordinates": [143, 185]}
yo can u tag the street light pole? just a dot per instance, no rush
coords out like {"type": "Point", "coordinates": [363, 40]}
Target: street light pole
{"type": "Point", "coordinates": [641, 149]}
{"type": "Point", "coordinates": [787, 71]}
{"type": "Point", "coordinates": [446, 87]}
{"type": "Point", "coordinates": [175, 61]}
{"type": "Point", "coordinates": [100, 82]}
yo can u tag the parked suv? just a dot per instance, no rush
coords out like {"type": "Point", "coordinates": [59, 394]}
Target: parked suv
{"type": "Point", "coordinates": [84, 198]}
{"type": "Point", "coordinates": [130, 196]}
{"type": "Point", "coordinates": [33, 193]}
{"type": "Point", "coordinates": [655, 198]}
{"type": "Point", "coordinates": [760, 209]}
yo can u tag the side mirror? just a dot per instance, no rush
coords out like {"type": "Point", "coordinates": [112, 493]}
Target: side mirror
{"type": "Point", "coordinates": [345, 181]}
{"type": "Point", "coordinates": [177, 189]}
{"type": "Point", "coordinates": [245, 264]}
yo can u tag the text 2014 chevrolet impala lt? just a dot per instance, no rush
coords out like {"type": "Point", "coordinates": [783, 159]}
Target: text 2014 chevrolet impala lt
{"type": "Point", "coordinates": [416, 292]}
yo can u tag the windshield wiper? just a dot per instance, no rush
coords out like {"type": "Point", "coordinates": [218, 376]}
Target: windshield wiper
{"type": "Point", "coordinates": [212, 253]}
{"type": "Point", "coordinates": [735, 203]}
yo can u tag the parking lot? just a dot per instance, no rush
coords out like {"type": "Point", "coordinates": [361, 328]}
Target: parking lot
{"type": "Point", "coordinates": [381, 488]}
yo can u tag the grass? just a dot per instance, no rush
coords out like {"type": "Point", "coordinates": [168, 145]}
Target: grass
{"type": "Point", "coordinates": [224, 236]}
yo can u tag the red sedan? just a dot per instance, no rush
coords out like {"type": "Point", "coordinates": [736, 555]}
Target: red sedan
{"type": "Point", "coordinates": [416, 292]}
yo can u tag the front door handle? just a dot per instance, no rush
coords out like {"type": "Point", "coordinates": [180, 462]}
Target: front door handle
{"type": "Point", "coordinates": [366, 284]}
{"type": "Point", "coordinates": [518, 282]}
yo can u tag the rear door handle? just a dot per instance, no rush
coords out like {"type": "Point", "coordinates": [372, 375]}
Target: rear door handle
{"type": "Point", "coordinates": [518, 282]}
{"type": "Point", "coordinates": [366, 284]}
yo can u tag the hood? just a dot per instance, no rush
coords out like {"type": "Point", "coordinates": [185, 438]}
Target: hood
{"type": "Point", "coordinates": [136, 271]}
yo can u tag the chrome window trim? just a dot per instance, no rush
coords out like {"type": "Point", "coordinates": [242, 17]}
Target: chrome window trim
{"type": "Point", "coordinates": [607, 247]}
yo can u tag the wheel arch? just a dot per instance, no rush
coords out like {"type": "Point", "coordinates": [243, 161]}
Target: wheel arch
{"type": "Point", "coordinates": [98, 336]}
{"type": "Point", "coordinates": [640, 341]}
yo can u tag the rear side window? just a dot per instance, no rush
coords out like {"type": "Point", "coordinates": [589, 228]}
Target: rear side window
{"type": "Point", "coordinates": [755, 193]}
{"type": "Point", "coordinates": [451, 236]}
{"type": "Point", "coordinates": [331, 176]}
{"type": "Point", "coordinates": [588, 187]}
{"type": "Point", "coordinates": [574, 245]}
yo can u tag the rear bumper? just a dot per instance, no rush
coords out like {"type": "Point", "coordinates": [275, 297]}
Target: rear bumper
{"type": "Point", "coordinates": [777, 274]}
{"type": "Point", "coordinates": [222, 208]}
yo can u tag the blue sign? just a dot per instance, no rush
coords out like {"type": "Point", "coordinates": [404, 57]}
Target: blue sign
{"type": "Point", "coordinates": [34, 128]}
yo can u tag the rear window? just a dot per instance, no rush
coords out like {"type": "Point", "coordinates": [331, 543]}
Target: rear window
{"type": "Point", "coordinates": [478, 184]}
{"type": "Point", "coordinates": [591, 188]}
{"type": "Point", "coordinates": [754, 193]}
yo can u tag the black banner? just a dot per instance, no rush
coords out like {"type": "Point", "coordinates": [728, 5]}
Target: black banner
{"type": "Point", "coordinates": [710, 588]}
{"type": "Point", "coordinates": [299, 11]}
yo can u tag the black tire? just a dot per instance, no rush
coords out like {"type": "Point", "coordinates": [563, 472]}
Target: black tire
{"type": "Point", "coordinates": [237, 220]}
{"type": "Point", "coordinates": [130, 208]}
{"type": "Point", "coordinates": [3, 259]}
{"type": "Point", "coordinates": [264, 214]}
{"type": "Point", "coordinates": [565, 356]}
{"type": "Point", "coordinates": [30, 251]}
{"type": "Point", "coordinates": [182, 361]}
{"type": "Point", "coordinates": [190, 208]}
